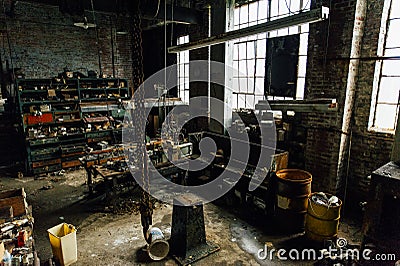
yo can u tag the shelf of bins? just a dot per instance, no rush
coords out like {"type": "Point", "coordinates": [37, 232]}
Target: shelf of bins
{"type": "Point", "coordinates": [53, 153]}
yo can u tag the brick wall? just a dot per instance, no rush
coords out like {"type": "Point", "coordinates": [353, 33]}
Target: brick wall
{"type": "Point", "coordinates": [368, 150]}
{"type": "Point", "coordinates": [44, 41]}
{"type": "Point", "coordinates": [326, 78]}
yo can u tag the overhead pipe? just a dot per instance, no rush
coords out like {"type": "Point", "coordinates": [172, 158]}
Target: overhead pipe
{"type": "Point", "coordinates": [356, 45]}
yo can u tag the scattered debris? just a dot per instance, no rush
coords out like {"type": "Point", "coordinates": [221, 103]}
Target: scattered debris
{"type": "Point", "coordinates": [47, 187]}
{"type": "Point", "coordinates": [55, 179]}
{"type": "Point", "coordinates": [322, 199]}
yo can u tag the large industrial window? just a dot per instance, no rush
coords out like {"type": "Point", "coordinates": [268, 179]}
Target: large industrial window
{"type": "Point", "coordinates": [386, 91]}
{"type": "Point", "coordinates": [183, 71]}
{"type": "Point", "coordinates": [254, 77]}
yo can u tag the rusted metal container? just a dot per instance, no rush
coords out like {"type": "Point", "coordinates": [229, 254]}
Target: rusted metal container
{"type": "Point", "coordinates": [322, 221]}
{"type": "Point", "coordinates": [293, 187]}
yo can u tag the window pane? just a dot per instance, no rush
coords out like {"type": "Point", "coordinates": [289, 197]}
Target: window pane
{"type": "Point", "coordinates": [261, 48]}
{"type": "Point", "coordinates": [305, 27]}
{"type": "Point", "coordinates": [234, 101]}
{"type": "Point", "coordinates": [235, 84]}
{"type": "Point", "coordinates": [303, 44]}
{"type": "Point", "coordinates": [250, 50]}
{"type": "Point", "coordinates": [392, 52]}
{"type": "Point", "coordinates": [242, 68]}
{"type": "Point", "coordinates": [235, 52]}
{"type": "Point", "coordinates": [293, 30]}
{"type": "Point", "coordinates": [252, 37]}
{"type": "Point", "coordinates": [250, 85]}
{"type": "Point", "coordinates": [181, 70]}
{"type": "Point", "coordinates": [242, 51]}
{"type": "Point", "coordinates": [250, 67]}
{"type": "Point", "coordinates": [186, 83]}
{"type": "Point", "coordinates": [262, 36]}
{"type": "Point", "coordinates": [306, 5]}
{"type": "Point", "coordinates": [294, 5]}
{"type": "Point", "coordinates": [236, 16]}
{"type": "Point", "coordinates": [385, 116]}
{"type": "Point", "coordinates": [391, 67]}
{"type": "Point", "coordinates": [262, 10]}
{"type": "Point", "coordinates": [253, 11]}
{"type": "Point", "coordinates": [300, 88]}
{"type": "Point", "coordinates": [393, 37]}
{"type": "Point", "coordinates": [395, 9]}
{"type": "Point", "coordinates": [186, 73]}
{"type": "Point", "coordinates": [259, 86]}
{"type": "Point", "coordinates": [282, 32]}
{"type": "Point", "coordinates": [273, 34]}
{"type": "Point", "coordinates": [274, 9]}
{"type": "Point", "coordinates": [302, 68]}
{"type": "Point", "coordinates": [389, 90]}
{"type": "Point", "coordinates": [186, 96]}
{"type": "Point", "coordinates": [243, 85]}
{"type": "Point", "coordinates": [250, 101]}
{"type": "Point", "coordinates": [241, 101]}
{"type": "Point", "coordinates": [244, 15]}
{"type": "Point", "coordinates": [260, 68]}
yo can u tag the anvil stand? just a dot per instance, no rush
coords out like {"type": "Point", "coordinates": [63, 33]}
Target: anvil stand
{"type": "Point", "coordinates": [188, 236]}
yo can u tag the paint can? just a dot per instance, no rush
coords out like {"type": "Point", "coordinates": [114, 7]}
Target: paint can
{"type": "Point", "coordinates": [158, 248]}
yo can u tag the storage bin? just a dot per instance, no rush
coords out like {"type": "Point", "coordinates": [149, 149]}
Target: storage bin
{"type": "Point", "coordinates": [63, 243]}
{"type": "Point", "coordinates": [16, 199]}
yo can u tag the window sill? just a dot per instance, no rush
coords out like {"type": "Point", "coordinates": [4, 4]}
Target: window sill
{"type": "Point", "coordinates": [381, 130]}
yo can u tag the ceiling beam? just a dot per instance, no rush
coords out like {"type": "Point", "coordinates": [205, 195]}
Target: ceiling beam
{"type": "Point", "coordinates": [314, 15]}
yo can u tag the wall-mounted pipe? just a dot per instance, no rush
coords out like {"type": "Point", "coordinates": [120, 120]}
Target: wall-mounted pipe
{"type": "Point", "coordinates": [356, 45]}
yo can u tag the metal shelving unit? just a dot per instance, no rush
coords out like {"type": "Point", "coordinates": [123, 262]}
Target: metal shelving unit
{"type": "Point", "coordinates": [60, 118]}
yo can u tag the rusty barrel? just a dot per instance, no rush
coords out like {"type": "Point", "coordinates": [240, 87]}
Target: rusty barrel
{"type": "Point", "coordinates": [322, 221]}
{"type": "Point", "coordinates": [293, 188]}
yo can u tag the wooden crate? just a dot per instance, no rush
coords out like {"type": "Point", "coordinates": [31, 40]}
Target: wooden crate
{"type": "Point", "coordinates": [15, 198]}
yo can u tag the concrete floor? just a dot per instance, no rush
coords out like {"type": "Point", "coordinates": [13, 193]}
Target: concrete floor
{"type": "Point", "coordinates": [105, 238]}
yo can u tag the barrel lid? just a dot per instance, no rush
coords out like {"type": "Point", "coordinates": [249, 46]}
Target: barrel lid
{"type": "Point", "coordinates": [294, 175]}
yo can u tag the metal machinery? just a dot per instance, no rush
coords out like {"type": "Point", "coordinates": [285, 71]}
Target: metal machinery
{"type": "Point", "coordinates": [382, 215]}
{"type": "Point", "coordinates": [261, 197]}
{"type": "Point", "coordinates": [184, 219]}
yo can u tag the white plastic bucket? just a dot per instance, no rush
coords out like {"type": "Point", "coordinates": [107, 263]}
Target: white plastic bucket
{"type": "Point", "coordinates": [158, 248]}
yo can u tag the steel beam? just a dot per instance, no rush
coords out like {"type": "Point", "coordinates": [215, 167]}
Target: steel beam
{"type": "Point", "coordinates": [299, 106]}
{"type": "Point", "coordinates": [311, 16]}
